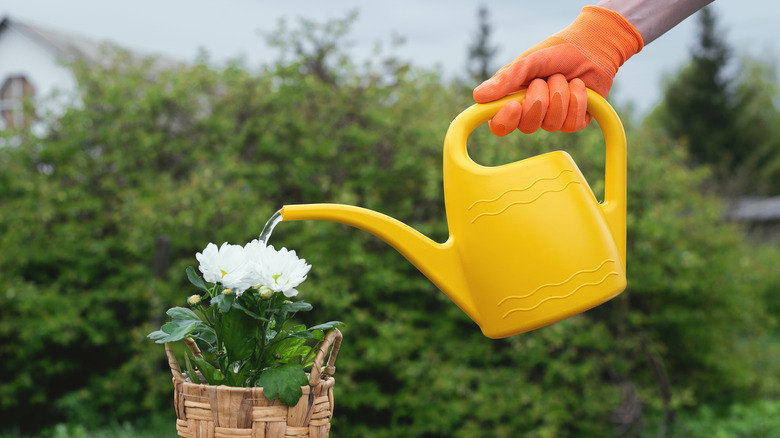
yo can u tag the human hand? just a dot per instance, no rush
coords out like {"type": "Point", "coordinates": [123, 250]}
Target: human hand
{"type": "Point", "coordinates": [557, 71]}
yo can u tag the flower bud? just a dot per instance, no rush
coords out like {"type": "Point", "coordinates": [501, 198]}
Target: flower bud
{"type": "Point", "coordinates": [194, 300]}
{"type": "Point", "coordinates": [227, 291]}
{"type": "Point", "coordinates": [265, 292]}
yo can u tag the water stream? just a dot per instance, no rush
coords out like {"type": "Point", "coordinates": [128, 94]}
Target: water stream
{"type": "Point", "coordinates": [269, 227]}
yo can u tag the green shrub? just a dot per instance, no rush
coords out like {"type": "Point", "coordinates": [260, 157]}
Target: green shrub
{"type": "Point", "coordinates": [759, 419]}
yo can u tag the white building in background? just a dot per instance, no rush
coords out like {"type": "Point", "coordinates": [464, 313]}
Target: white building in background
{"type": "Point", "coordinates": [33, 64]}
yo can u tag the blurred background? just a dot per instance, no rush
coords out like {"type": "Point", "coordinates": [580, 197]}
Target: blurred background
{"type": "Point", "coordinates": [133, 135]}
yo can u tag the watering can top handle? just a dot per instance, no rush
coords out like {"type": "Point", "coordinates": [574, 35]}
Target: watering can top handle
{"type": "Point", "coordinates": [480, 113]}
{"type": "Point", "coordinates": [598, 107]}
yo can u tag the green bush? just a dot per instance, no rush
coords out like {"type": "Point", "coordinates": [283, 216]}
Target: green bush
{"type": "Point", "coordinates": [198, 155]}
{"type": "Point", "coordinates": [154, 426]}
{"type": "Point", "coordinates": [759, 419]}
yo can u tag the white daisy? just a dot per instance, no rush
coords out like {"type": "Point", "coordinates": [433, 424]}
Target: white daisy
{"type": "Point", "coordinates": [226, 264]}
{"type": "Point", "coordinates": [254, 252]}
{"type": "Point", "coordinates": [282, 270]}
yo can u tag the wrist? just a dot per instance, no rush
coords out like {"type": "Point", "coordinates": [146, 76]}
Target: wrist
{"type": "Point", "coordinates": [654, 18]}
{"type": "Point", "coordinates": [605, 36]}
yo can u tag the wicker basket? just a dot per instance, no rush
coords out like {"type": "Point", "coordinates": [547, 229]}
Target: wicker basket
{"type": "Point", "coordinates": [205, 411]}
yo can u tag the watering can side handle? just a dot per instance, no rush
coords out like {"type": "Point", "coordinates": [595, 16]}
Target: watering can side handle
{"type": "Point", "coordinates": [616, 168]}
{"type": "Point", "coordinates": [614, 205]}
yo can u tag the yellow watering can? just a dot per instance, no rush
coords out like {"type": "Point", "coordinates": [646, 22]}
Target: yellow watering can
{"type": "Point", "coordinates": [529, 243]}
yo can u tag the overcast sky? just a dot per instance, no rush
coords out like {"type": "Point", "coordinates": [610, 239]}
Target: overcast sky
{"type": "Point", "coordinates": [436, 33]}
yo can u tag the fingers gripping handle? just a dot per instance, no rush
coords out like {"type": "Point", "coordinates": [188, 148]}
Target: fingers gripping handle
{"type": "Point", "coordinates": [614, 205]}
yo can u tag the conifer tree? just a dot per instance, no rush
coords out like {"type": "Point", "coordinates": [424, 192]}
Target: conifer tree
{"type": "Point", "coordinates": [725, 113]}
{"type": "Point", "coordinates": [481, 52]}
{"type": "Point", "coordinates": [700, 102]}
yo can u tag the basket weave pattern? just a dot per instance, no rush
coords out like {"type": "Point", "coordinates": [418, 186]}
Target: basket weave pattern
{"type": "Point", "coordinates": [205, 411]}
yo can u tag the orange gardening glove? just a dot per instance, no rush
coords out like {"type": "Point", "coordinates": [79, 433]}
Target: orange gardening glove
{"type": "Point", "coordinates": [556, 72]}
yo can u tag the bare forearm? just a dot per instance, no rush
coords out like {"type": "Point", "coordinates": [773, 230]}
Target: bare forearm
{"type": "Point", "coordinates": [653, 18]}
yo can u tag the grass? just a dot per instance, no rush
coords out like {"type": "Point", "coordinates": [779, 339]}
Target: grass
{"type": "Point", "coordinates": [759, 419]}
{"type": "Point", "coordinates": [153, 427]}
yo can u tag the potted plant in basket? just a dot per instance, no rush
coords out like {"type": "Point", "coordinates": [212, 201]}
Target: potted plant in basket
{"type": "Point", "coordinates": [261, 370]}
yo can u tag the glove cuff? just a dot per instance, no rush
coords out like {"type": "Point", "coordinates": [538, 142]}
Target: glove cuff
{"type": "Point", "coordinates": [604, 36]}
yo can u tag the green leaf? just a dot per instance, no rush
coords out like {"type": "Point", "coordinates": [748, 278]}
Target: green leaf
{"type": "Point", "coordinates": [238, 374]}
{"type": "Point", "coordinates": [195, 279]}
{"type": "Point", "coordinates": [284, 382]}
{"type": "Point", "coordinates": [183, 314]}
{"type": "Point", "coordinates": [224, 302]}
{"type": "Point", "coordinates": [292, 326]}
{"type": "Point", "coordinates": [304, 334]}
{"type": "Point", "coordinates": [283, 349]}
{"type": "Point", "coordinates": [159, 334]}
{"type": "Point", "coordinates": [296, 306]}
{"type": "Point", "coordinates": [190, 370]}
{"type": "Point", "coordinates": [238, 335]}
{"type": "Point", "coordinates": [327, 325]}
{"type": "Point", "coordinates": [212, 375]}
{"type": "Point", "coordinates": [248, 312]}
{"type": "Point", "coordinates": [205, 334]}
{"type": "Point", "coordinates": [176, 331]}
{"type": "Point", "coordinates": [308, 360]}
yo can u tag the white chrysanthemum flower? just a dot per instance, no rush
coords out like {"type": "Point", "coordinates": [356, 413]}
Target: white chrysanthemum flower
{"type": "Point", "coordinates": [209, 263]}
{"type": "Point", "coordinates": [227, 265]}
{"type": "Point", "coordinates": [254, 252]}
{"type": "Point", "coordinates": [282, 270]}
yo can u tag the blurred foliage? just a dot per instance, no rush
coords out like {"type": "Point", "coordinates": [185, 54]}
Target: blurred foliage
{"type": "Point", "coordinates": [200, 155]}
{"type": "Point", "coordinates": [155, 425]}
{"type": "Point", "coordinates": [728, 117]}
{"type": "Point", "coordinates": [756, 420]}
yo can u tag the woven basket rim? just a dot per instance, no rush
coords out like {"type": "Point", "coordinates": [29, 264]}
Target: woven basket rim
{"type": "Point", "coordinates": [305, 388]}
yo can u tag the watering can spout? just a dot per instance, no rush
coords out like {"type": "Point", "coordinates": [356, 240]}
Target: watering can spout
{"type": "Point", "coordinates": [438, 262]}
